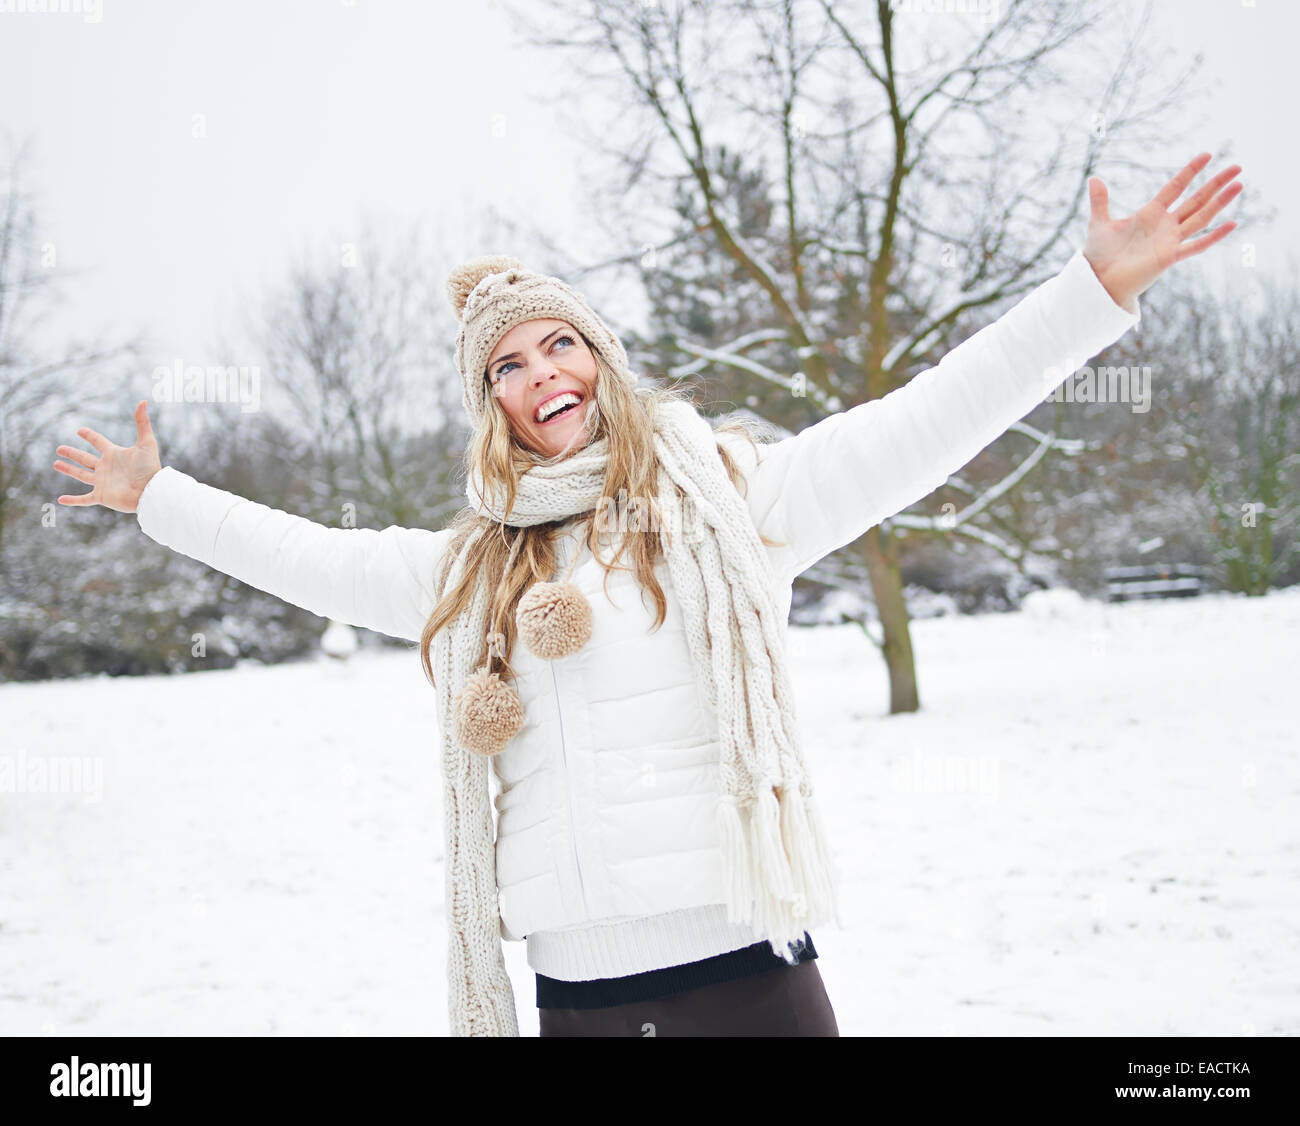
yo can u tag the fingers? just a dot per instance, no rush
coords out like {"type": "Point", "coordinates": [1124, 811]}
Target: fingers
{"type": "Point", "coordinates": [143, 430]}
{"type": "Point", "coordinates": [82, 498]}
{"type": "Point", "coordinates": [75, 471]}
{"type": "Point", "coordinates": [1098, 199]}
{"type": "Point", "coordinates": [96, 439]}
{"type": "Point", "coordinates": [81, 457]}
{"type": "Point", "coordinates": [1202, 217]}
{"type": "Point", "coordinates": [1172, 190]}
{"type": "Point", "coordinates": [1204, 242]}
{"type": "Point", "coordinates": [1198, 200]}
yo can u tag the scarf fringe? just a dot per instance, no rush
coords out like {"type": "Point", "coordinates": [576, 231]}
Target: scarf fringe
{"type": "Point", "coordinates": [800, 822]}
{"type": "Point", "coordinates": [739, 889]}
{"type": "Point", "coordinates": [777, 871]}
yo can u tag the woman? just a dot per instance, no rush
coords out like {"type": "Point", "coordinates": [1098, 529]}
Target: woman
{"type": "Point", "coordinates": [657, 843]}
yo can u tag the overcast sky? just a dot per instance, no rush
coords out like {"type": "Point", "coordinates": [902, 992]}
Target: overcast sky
{"type": "Point", "coordinates": [319, 113]}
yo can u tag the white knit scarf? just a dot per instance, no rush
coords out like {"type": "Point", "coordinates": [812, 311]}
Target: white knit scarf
{"type": "Point", "coordinates": [777, 865]}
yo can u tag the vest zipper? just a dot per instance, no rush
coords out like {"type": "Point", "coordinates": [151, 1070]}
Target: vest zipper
{"type": "Point", "coordinates": [573, 820]}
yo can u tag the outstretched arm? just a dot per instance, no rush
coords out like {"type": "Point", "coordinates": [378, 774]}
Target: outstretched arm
{"type": "Point", "coordinates": [827, 485]}
{"type": "Point", "coordinates": [382, 580]}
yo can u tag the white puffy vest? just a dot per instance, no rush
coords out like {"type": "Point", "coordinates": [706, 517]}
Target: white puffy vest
{"type": "Point", "coordinates": [608, 794]}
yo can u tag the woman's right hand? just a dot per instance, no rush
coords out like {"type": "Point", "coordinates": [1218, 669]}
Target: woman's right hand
{"type": "Point", "coordinates": [116, 475]}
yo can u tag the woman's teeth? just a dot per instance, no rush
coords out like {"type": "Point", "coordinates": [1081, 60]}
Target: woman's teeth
{"type": "Point", "coordinates": [568, 402]}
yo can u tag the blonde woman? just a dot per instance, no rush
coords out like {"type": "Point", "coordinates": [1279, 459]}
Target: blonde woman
{"type": "Point", "coordinates": [604, 623]}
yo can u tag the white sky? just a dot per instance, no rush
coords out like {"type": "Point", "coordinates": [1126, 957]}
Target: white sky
{"type": "Point", "coordinates": [320, 113]}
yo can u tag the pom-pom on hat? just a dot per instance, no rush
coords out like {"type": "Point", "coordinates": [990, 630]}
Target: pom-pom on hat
{"type": "Point", "coordinates": [493, 293]}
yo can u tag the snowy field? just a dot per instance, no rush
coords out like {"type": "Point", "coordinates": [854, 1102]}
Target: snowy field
{"type": "Point", "coordinates": [1090, 829]}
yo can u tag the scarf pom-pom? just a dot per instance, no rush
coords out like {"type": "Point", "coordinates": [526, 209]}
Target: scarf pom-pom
{"type": "Point", "coordinates": [489, 713]}
{"type": "Point", "coordinates": [554, 620]}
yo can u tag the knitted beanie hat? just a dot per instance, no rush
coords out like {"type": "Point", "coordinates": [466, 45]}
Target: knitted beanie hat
{"type": "Point", "coordinates": [493, 293]}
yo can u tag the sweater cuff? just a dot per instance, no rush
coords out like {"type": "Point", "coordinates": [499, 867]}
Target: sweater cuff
{"type": "Point", "coordinates": [155, 489]}
{"type": "Point", "coordinates": [1118, 318]}
{"type": "Point", "coordinates": [159, 491]}
{"type": "Point", "coordinates": [637, 945]}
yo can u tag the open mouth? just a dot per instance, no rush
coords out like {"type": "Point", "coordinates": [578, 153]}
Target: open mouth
{"type": "Point", "coordinates": [570, 401]}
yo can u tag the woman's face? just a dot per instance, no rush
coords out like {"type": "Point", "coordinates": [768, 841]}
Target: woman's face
{"type": "Point", "coordinates": [533, 363]}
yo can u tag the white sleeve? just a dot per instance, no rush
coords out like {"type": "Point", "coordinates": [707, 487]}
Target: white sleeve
{"type": "Point", "coordinates": [825, 486]}
{"type": "Point", "coordinates": [381, 580]}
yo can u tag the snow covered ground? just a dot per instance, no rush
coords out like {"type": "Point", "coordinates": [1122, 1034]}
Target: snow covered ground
{"type": "Point", "coordinates": [1090, 829]}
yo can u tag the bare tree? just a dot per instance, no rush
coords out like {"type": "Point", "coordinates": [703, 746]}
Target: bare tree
{"type": "Point", "coordinates": [930, 171]}
{"type": "Point", "coordinates": [39, 383]}
{"type": "Point", "coordinates": [1233, 408]}
{"type": "Point", "coordinates": [359, 357]}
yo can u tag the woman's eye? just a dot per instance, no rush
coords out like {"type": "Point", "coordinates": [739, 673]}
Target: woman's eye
{"type": "Point", "coordinates": [505, 368]}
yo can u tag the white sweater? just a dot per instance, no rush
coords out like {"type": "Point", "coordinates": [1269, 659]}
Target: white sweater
{"type": "Point", "coordinates": [606, 856]}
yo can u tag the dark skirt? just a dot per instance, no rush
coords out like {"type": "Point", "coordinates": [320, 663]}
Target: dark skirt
{"type": "Point", "coordinates": [747, 992]}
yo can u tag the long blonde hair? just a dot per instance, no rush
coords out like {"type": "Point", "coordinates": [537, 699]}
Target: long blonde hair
{"type": "Point", "coordinates": [622, 414]}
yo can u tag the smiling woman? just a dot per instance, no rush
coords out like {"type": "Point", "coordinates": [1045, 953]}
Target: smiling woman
{"type": "Point", "coordinates": [543, 375]}
{"type": "Point", "coordinates": [657, 838]}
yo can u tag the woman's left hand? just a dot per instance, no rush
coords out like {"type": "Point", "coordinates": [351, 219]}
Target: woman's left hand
{"type": "Point", "coordinates": [1128, 255]}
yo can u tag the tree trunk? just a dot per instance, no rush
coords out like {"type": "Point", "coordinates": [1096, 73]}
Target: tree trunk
{"type": "Point", "coordinates": [880, 553]}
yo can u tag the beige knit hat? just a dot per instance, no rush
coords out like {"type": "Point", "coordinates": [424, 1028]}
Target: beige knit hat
{"type": "Point", "coordinates": [493, 293]}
